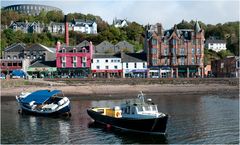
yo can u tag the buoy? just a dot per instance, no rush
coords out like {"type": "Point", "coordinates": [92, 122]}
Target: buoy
{"type": "Point", "coordinates": [109, 126]}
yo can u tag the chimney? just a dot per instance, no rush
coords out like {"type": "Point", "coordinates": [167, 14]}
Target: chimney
{"type": "Point", "coordinates": [66, 31]}
{"type": "Point", "coordinates": [91, 49]}
{"type": "Point", "coordinates": [58, 46]}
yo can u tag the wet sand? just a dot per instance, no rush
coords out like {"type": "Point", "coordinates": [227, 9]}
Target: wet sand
{"type": "Point", "coordinates": [100, 91]}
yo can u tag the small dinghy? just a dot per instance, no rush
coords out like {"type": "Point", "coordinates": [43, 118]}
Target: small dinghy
{"type": "Point", "coordinates": [136, 116]}
{"type": "Point", "coordinates": [44, 102]}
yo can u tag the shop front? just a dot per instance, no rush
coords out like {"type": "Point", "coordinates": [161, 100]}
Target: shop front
{"type": "Point", "coordinates": [135, 73]}
{"type": "Point", "coordinates": [189, 71]}
{"type": "Point", "coordinates": [107, 73]}
{"type": "Point", "coordinates": [73, 72]}
{"type": "Point", "coordinates": [42, 72]}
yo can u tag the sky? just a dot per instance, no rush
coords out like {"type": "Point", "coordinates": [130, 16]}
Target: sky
{"type": "Point", "coordinates": [148, 11]}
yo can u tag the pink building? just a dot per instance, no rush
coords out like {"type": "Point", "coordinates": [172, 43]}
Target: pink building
{"type": "Point", "coordinates": [74, 61]}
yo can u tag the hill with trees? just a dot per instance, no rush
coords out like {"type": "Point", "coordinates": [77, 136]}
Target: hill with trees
{"type": "Point", "coordinates": [133, 33]}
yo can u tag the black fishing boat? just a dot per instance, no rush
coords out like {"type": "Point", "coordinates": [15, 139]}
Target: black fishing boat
{"type": "Point", "coordinates": [136, 115]}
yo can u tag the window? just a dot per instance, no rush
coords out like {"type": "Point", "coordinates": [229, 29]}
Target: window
{"type": "Point", "coordinates": [182, 51]}
{"type": "Point", "coordinates": [193, 51]}
{"type": "Point", "coordinates": [186, 34]}
{"type": "Point", "coordinates": [165, 60]}
{"type": "Point", "coordinates": [63, 64]}
{"type": "Point", "coordinates": [119, 60]}
{"type": "Point", "coordinates": [144, 65]}
{"type": "Point", "coordinates": [198, 51]}
{"type": "Point", "coordinates": [106, 60]}
{"type": "Point", "coordinates": [135, 65]}
{"type": "Point", "coordinates": [182, 59]}
{"type": "Point", "coordinates": [154, 61]}
{"type": "Point", "coordinates": [111, 60]}
{"type": "Point", "coordinates": [193, 60]}
{"type": "Point", "coordinates": [166, 51]}
{"type": "Point", "coordinates": [115, 67]}
{"type": "Point", "coordinates": [154, 41]}
{"type": "Point", "coordinates": [8, 57]}
{"type": "Point", "coordinates": [63, 58]}
{"type": "Point", "coordinates": [106, 67]}
{"type": "Point", "coordinates": [238, 64]}
{"type": "Point", "coordinates": [97, 61]}
{"type": "Point", "coordinates": [193, 42]}
{"type": "Point", "coordinates": [84, 59]}
{"type": "Point", "coordinates": [174, 60]}
{"type": "Point", "coordinates": [126, 65]}
{"type": "Point", "coordinates": [174, 51]}
{"type": "Point", "coordinates": [74, 59]}
{"type": "Point", "coordinates": [84, 64]}
{"type": "Point", "coordinates": [63, 50]}
{"type": "Point", "coordinates": [198, 60]}
{"type": "Point", "coordinates": [154, 50]}
{"type": "Point", "coordinates": [98, 67]}
{"type": "Point", "coordinates": [165, 41]}
{"type": "Point", "coordinates": [74, 64]}
{"type": "Point", "coordinates": [74, 50]}
{"type": "Point", "coordinates": [174, 41]}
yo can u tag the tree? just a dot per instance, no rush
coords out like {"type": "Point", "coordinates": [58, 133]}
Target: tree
{"type": "Point", "coordinates": [55, 16]}
{"type": "Point", "coordinates": [224, 53]}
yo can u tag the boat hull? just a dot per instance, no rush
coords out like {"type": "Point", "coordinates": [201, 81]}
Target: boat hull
{"type": "Point", "coordinates": [63, 111]}
{"type": "Point", "coordinates": [152, 126]}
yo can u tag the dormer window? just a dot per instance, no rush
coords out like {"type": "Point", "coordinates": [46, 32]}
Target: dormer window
{"type": "Point", "coordinates": [74, 50]}
{"type": "Point", "coordinates": [63, 50]}
{"type": "Point", "coordinates": [84, 49]}
{"type": "Point", "coordinates": [186, 34]}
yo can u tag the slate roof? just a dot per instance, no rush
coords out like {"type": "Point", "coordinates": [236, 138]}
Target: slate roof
{"type": "Point", "coordinates": [182, 33]}
{"type": "Point", "coordinates": [78, 49]}
{"type": "Point", "coordinates": [44, 64]}
{"type": "Point", "coordinates": [107, 55]}
{"type": "Point", "coordinates": [123, 45]}
{"type": "Point", "coordinates": [82, 22]}
{"type": "Point", "coordinates": [36, 47]}
{"type": "Point", "coordinates": [103, 47]}
{"type": "Point", "coordinates": [214, 41]}
{"type": "Point", "coordinates": [119, 21]}
{"type": "Point", "coordinates": [134, 57]}
{"type": "Point", "coordinates": [84, 43]}
{"type": "Point", "coordinates": [17, 47]}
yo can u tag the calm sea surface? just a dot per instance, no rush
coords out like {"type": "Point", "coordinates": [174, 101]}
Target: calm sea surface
{"type": "Point", "coordinates": [204, 119]}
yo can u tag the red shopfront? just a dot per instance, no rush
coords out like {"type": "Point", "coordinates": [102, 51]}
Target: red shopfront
{"type": "Point", "coordinates": [107, 73]}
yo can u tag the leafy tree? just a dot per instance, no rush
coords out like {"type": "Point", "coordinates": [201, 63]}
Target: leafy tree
{"type": "Point", "coordinates": [224, 53]}
{"type": "Point", "coordinates": [55, 16]}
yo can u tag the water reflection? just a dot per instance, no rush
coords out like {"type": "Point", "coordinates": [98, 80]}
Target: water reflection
{"type": "Point", "coordinates": [127, 137]}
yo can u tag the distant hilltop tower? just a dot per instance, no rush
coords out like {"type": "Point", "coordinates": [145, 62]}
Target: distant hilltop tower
{"type": "Point", "coordinates": [31, 9]}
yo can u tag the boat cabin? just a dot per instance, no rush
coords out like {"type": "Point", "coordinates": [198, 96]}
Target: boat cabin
{"type": "Point", "coordinates": [112, 112]}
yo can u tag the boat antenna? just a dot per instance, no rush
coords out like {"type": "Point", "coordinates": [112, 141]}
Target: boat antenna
{"type": "Point", "coordinates": [141, 96]}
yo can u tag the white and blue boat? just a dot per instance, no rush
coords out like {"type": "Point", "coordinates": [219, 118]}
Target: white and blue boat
{"type": "Point", "coordinates": [44, 102]}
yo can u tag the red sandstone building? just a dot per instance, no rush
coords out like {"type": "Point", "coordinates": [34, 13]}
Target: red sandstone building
{"type": "Point", "coordinates": [175, 52]}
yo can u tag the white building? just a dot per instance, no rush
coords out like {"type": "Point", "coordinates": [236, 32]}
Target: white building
{"type": "Point", "coordinates": [84, 26]}
{"type": "Point", "coordinates": [215, 45]}
{"type": "Point", "coordinates": [134, 65]}
{"type": "Point", "coordinates": [106, 66]}
{"type": "Point", "coordinates": [118, 23]}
